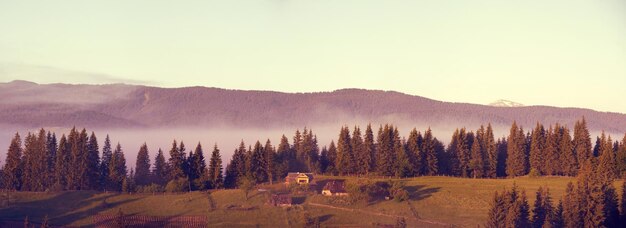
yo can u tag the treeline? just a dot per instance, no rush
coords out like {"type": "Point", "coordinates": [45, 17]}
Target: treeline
{"type": "Point", "coordinates": [75, 163]}
{"type": "Point", "coordinates": [540, 151]}
{"type": "Point", "coordinates": [591, 202]}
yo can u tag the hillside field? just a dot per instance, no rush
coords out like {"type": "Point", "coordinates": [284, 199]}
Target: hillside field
{"type": "Point", "coordinates": [434, 201]}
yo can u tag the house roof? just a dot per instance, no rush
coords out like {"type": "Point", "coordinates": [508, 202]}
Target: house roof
{"type": "Point", "coordinates": [293, 176]}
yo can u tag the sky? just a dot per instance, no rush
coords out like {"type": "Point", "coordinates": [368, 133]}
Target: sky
{"type": "Point", "coordinates": [565, 53]}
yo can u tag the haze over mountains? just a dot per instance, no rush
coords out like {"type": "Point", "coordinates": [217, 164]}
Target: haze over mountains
{"type": "Point", "coordinates": [34, 105]}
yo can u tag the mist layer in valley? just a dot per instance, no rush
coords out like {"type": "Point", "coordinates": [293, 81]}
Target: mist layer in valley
{"type": "Point", "coordinates": [229, 138]}
{"type": "Point", "coordinates": [225, 137]}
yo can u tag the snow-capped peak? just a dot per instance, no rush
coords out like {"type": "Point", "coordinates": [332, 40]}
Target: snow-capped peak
{"type": "Point", "coordinates": [505, 103]}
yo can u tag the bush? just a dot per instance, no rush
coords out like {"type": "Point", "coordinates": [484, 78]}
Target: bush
{"type": "Point", "coordinates": [365, 190]}
{"type": "Point", "coordinates": [177, 185]}
{"type": "Point", "coordinates": [153, 188]}
{"type": "Point", "coordinates": [534, 173]}
{"type": "Point", "coordinates": [400, 195]}
{"type": "Point", "coordinates": [200, 184]}
{"type": "Point", "coordinates": [397, 191]}
{"type": "Point", "coordinates": [298, 188]}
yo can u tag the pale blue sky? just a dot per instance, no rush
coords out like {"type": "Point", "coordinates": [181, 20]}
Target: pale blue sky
{"type": "Point", "coordinates": [554, 52]}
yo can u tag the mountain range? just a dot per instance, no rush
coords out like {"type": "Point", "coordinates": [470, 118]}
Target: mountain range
{"type": "Point", "coordinates": [34, 105]}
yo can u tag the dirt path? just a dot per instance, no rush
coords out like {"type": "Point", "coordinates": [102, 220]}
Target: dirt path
{"type": "Point", "coordinates": [379, 214]}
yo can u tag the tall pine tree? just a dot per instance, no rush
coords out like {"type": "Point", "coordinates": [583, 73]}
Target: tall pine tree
{"type": "Point", "coordinates": [345, 157]}
{"type": "Point", "coordinates": [159, 171]}
{"type": "Point", "coordinates": [215, 169]}
{"type": "Point", "coordinates": [142, 166]}
{"type": "Point", "coordinates": [93, 162]}
{"type": "Point", "coordinates": [517, 160]}
{"type": "Point", "coordinates": [13, 166]}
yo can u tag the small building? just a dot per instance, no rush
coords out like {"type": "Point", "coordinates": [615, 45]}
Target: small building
{"type": "Point", "coordinates": [334, 188]}
{"type": "Point", "coordinates": [280, 200]}
{"type": "Point", "coordinates": [299, 178]}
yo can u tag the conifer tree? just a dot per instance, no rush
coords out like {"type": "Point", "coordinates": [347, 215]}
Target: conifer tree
{"type": "Point", "coordinates": [215, 169]}
{"type": "Point", "coordinates": [61, 164]}
{"type": "Point", "coordinates": [542, 208]}
{"type": "Point", "coordinates": [402, 166]}
{"type": "Point", "coordinates": [607, 167]}
{"type": "Point", "coordinates": [107, 154]}
{"type": "Point", "coordinates": [332, 157]}
{"type": "Point", "coordinates": [386, 153]}
{"type": "Point", "coordinates": [190, 168]}
{"type": "Point", "coordinates": [569, 164]}
{"type": "Point", "coordinates": [345, 157]}
{"type": "Point", "coordinates": [361, 155]}
{"type": "Point", "coordinates": [52, 147]}
{"type": "Point", "coordinates": [230, 177]}
{"type": "Point", "coordinates": [572, 207]}
{"type": "Point", "coordinates": [491, 153]}
{"type": "Point", "coordinates": [501, 146]}
{"type": "Point", "coordinates": [257, 164]}
{"type": "Point", "coordinates": [159, 171]}
{"type": "Point", "coordinates": [453, 154]}
{"type": "Point", "coordinates": [620, 157]}
{"type": "Point", "coordinates": [417, 158]}
{"type": "Point", "coordinates": [93, 162]}
{"type": "Point", "coordinates": [497, 212]}
{"type": "Point", "coordinates": [442, 157]}
{"type": "Point", "coordinates": [236, 170]}
{"type": "Point", "coordinates": [324, 160]}
{"type": "Point", "coordinates": [176, 162]}
{"type": "Point", "coordinates": [202, 171]}
{"type": "Point", "coordinates": [537, 149]}
{"type": "Point", "coordinates": [464, 146]}
{"type": "Point", "coordinates": [622, 204]}
{"type": "Point", "coordinates": [13, 166]}
{"type": "Point", "coordinates": [117, 169]}
{"type": "Point", "coordinates": [310, 151]}
{"type": "Point", "coordinates": [552, 164]}
{"type": "Point", "coordinates": [517, 160]}
{"type": "Point", "coordinates": [370, 147]}
{"type": "Point", "coordinates": [283, 157]}
{"type": "Point", "coordinates": [270, 160]}
{"type": "Point", "coordinates": [142, 166]}
{"type": "Point", "coordinates": [29, 160]}
{"type": "Point", "coordinates": [557, 216]}
{"type": "Point", "coordinates": [582, 142]}
{"type": "Point", "coordinates": [428, 146]}
{"type": "Point", "coordinates": [596, 148]}
{"type": "Point", "coordinates": [240, 161]}
{"type": "Point", "coordinates": [77, 178]}
{"type": "Point", "coordinates": [478, 154]}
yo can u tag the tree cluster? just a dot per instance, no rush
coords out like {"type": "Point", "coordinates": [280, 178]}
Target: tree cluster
{"type": "Point", "coordinates": [74, 162]}
{"type": "Point", "coordinates": [591, 202]}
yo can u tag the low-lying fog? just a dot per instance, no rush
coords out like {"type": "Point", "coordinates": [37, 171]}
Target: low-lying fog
{"type": "Point", "coordinates": [228, 138]}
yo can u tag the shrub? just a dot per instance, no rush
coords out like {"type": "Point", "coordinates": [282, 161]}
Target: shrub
{"type": "Point", "coordinates": [153, 188]}
{"type": "Point", "coordinates": [400, 195]}
{"type": "Point", "coordinates": [177, 185]}
{"type": "Point", "coordinates": [534, 173]}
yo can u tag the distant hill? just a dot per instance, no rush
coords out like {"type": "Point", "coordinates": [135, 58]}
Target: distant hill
{"type": "Point", "coordinates": [118, 105]}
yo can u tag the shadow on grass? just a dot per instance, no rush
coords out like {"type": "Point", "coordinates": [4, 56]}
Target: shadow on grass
{"type": "Point", "coordinates": [324, 218]}
{"type": "Point", "coordinates": [420, 192]}
{"type": "Point", "coordinates": [296, 200]}
{"type": "Point", "coordinates": [63, 208]}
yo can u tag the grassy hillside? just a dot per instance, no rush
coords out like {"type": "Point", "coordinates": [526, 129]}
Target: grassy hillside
{"type": "Point", "coordinates": [435, 201]}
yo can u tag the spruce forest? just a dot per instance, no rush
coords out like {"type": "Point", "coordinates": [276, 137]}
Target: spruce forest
{"type": "Point", "coordinates": [43, 162]}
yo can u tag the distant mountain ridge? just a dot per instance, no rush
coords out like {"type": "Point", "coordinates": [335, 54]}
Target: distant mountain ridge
{"type": "Point", "coordinates": [120, 105]}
